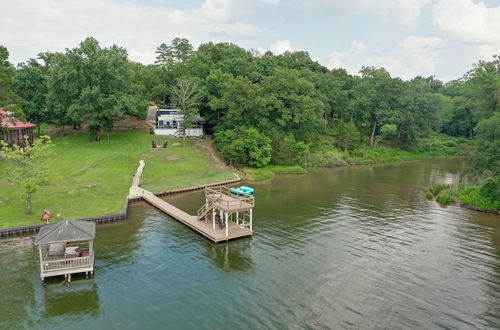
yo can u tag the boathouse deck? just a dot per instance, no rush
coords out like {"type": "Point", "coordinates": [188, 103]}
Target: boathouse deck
{"type": "Point", "coordinates": [229, 206]}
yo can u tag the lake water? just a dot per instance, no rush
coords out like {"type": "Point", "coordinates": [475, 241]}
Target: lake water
{"type": "Point", "coordinates": [350, 248]}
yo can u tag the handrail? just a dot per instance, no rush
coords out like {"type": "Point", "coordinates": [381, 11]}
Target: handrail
{"type": "Point", "coordinates": [53, 265]}
{"type": "Point", "coordinates": [234, 202]}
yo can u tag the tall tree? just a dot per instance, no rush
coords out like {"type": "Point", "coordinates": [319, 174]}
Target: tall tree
{"type": "Point", "coordinates": [30, 84]}
{"type": "Point", "coordinates": [97, 86]}
{"type": "Point", "coordinates": [6, 72]}
{"type": "Point", "coordinates": [185, 96]}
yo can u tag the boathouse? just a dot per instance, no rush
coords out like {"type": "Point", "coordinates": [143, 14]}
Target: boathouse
{"type": "Point", "coordinates": [13, 131]}
{"type": "Point", "coordinates": [66, 248]}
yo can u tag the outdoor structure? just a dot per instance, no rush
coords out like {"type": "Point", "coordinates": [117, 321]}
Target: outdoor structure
{"type": "Point", "coordinates": [169, 122]}
{"type": "Point", "coordinates": [223, 217]}
{"type": "Point", "coordinates": [66, 248]}
{"type": "Point", "coordinates": [227, 210]}
{"type": "Point", "coordinates": [13, 131]}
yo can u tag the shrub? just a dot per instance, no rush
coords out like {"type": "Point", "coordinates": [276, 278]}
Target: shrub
{"type": "Point", "coordinates": [244, 147]}
{"type": "Point", "coordinates": [444, 197]}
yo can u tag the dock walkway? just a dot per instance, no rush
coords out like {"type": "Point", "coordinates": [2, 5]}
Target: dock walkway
{"type": "Point", "coordinates": [200, 224]}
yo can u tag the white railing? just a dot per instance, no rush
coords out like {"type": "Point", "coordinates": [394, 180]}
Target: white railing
{"type": "Point", "coordinates": [69, 263]}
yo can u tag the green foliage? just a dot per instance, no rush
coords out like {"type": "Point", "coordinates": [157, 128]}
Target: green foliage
{"type": "Point", "coordinates": [445, 197]}
{"type": "Point", "coordinates": [30, 84]}
{"type": "Point", "coordinates": [347, 135]}
{"type": "Point", "coordinates": [487, 154]}
{"type": "Point", "coordinates": [244, 147]}
{"type": "Point", "coordinates": [472, 196]}
{"type": "Point", "coordinates": [490, 189]}
{"type": "Point", "coordinates": [267, 172]}
{"type": "Point", "coordinates": [27, 167]}
{"type": "Point", "coordinates": [287, 150]}
{"type": "Point", "coordinates": [6, 73]}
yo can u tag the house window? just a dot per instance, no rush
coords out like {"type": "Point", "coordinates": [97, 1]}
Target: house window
{"type": "Point", "coordinates": [160, 123]}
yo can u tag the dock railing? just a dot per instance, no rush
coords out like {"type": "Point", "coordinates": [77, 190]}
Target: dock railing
{"type": "Point", "coordinates": [67, 263]}
{"type": "Point", "coordinates": [237, 200]}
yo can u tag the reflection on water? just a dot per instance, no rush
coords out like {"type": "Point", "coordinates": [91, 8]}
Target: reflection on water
{"type": "Point", "coordinates": [353, 247]}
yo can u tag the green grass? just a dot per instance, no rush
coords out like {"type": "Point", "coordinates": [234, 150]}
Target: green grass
{"type": "Point", "coordinates": [94, 177]}
{"type": "Point", "coordinates": [267, 172]}
{"type": "Point", "coordinates": [471, 196]}
{"type": "Point", "coordinates": [437, 145]}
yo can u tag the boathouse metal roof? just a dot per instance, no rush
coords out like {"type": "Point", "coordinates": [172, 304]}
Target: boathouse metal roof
{"type": "Point", "coordinates": [66, 231]}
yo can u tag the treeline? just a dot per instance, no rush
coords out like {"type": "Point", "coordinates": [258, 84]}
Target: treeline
{"type": "Point", "coordinates": [87, 84]}
{"type": "Point", "coordinates": [262, 108]}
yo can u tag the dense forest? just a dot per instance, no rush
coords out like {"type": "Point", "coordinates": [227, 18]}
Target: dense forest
{"type": "Point", "coordinates": [262, 108]}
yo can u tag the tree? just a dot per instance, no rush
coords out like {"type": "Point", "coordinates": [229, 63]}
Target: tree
{"type": "Point", "coordinates": [487, 155]}
{"type": "Point", "coordinates": [347, 134]}
{"type": "Point", "coordinates": [94, 85]}
{"type": "Point", "coordinates": [376, 99]}
{"type": "Point", "coordinates": [28, 167]}
{"type": "Point", "coordinates": [6, 72]}
{"type": "Point", "coordinates": [180, 51]}
{"type": "Point", "coordinates": [244, 146]}
{"type": "Point", "coordinates": [30, 84]}
{"type": "Point", "coordinates": [185, 96]}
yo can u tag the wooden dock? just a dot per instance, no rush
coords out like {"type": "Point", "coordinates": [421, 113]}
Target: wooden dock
{"type": "Point", "coordinates": [216, 200]}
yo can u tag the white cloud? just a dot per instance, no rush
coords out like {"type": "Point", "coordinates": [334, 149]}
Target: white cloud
{"type": "Point", "coordinates": [281, 46]}
{"type": "Point", "coordinates": [413, 56]}
{"type": "Point", "coordinates": [406, 11]}
{"type": "Point", "coordinates": [28, 26]}
{"type": "Point", "coordinates": [467, 21]}
{"type": "Point", "coordinates": [335, 60]}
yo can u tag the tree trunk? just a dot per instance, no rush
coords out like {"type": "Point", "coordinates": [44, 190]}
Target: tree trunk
{"type": "Point", "coordinates": [97, 135]}
{"type": "Point", "coordinates": [372, 138]}
{"type": "Point", "coordinates": [38, 129]}
{"type": "Point", "coordinates": [400, 129]}
{"type": "Point", "coordinates": [28, 201]}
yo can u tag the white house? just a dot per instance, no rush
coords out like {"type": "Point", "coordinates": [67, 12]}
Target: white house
{"type": "Point", "coordinates": [169, 122]}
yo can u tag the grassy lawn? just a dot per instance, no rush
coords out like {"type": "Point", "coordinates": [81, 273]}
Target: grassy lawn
{"type": "Point", "coordinates": [94, 177]}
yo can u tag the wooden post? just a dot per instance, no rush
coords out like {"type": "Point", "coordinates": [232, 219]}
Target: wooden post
{"type": "Point", "coordinates": [227, 225]}
{"type": "Point", "coordinates": [41, 261]}
{"type": "Point", "coordinates": [237, 220]}
{"type": "Point", "coordinates": [251, 219]}
{"type": "Point", "coordinates": [213, 218]}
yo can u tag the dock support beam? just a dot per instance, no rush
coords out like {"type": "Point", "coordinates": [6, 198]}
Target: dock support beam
{"type": "Point", "coordinates": [227, 224]}
{"type": "Point", "coordinates": [251, 219]}
{"type": "Point", "coordinates": [237, 220]}
{"type": "Point", "coordinates": [213, 218]}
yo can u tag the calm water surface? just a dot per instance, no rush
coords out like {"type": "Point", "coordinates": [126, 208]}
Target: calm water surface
{"type": "Point", "coordinates": [336, 248]}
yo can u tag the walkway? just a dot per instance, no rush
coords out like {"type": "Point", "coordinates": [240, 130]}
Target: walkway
{"type": "Point", "coordinates": [202, 226]}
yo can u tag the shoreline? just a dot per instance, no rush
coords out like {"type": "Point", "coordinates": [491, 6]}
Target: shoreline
{"type": "Point", "coordinates": [34, 228]}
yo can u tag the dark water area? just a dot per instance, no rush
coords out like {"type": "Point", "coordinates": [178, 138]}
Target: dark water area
{"type": "Point", "coordinates": [351, 248]}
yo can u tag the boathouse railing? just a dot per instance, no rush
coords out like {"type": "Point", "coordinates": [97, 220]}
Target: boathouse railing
{"type": "Point", "coordinates": [69, 263]}
{"type": "Point", "coordinates": [237, 200]}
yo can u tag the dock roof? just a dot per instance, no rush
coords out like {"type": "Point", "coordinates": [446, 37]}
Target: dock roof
{"type": "Point", "coordinates": [66, 231]}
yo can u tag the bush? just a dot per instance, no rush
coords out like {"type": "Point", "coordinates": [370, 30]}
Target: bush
{"type": "Point", "coordinates": [287, 151]}
{"type": "Point", "coordinates": [444, 197]}
{"type": "Point", "coordinates": [490, 189]}
{"type": "Point", "coordinates": [244, 147]}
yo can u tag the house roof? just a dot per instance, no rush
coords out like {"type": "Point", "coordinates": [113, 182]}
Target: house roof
{"type": "Point", "coordinates": [13, 123]}
{"type": "Point", "coordinates": [66, 231]}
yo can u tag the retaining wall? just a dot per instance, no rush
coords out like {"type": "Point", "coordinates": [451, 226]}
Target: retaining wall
{"type": "Point", "coordinates": [32, 229]}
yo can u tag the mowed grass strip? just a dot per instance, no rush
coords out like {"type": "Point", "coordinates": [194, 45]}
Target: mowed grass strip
{"type": "Point", "coordinates": [93, 178]}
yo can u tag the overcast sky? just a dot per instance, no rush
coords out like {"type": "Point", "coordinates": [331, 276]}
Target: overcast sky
{"type": "Point", "coordinates": [407, 37]}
